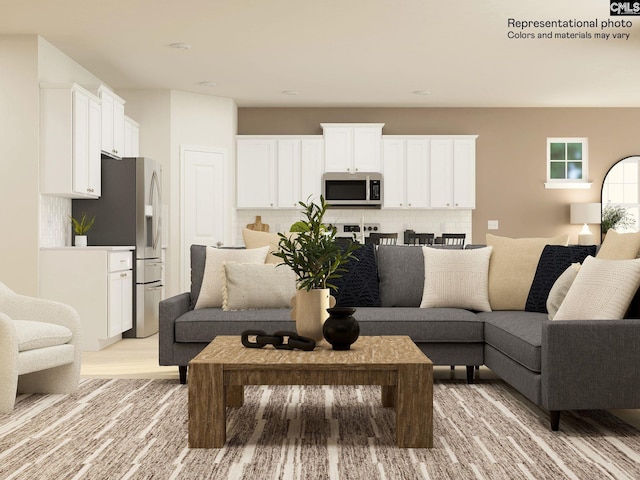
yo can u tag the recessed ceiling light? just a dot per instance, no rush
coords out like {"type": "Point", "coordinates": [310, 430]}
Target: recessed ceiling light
{"type": "Point", "coordinates": [422, 92]}
{"type": "Point", "coordinates": [290, 92]}
{"type": "Point", "coordinates": [208, 84]}
{"type": "Point", "coordinates": [180, 46]}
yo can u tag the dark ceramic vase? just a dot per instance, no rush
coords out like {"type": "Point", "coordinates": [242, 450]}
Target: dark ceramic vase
{"type": "Point", "coordinates": [341, 329]}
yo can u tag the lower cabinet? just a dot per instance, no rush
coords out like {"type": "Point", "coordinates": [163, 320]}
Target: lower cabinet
{"type": "Point", "coordinates": [98, 283]}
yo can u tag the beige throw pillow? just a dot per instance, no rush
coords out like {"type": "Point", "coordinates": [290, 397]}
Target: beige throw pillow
{"type": "Point", "coordinates": [512, 268]}
{"type": "Point", "coordinates": [213, 278]}
{"type": "Point", "coordinates": [456, 278]}
{"type": "Point", "coordinates": [560, 288]}
{"type": "Point", "coordinates": [256, 239]}
{"type": "Point", "coordinates": [602, 290]}
{"type": "Point", "coordinates": [249, 286]}
{"type": "Point", "coordinates": [620, 246]}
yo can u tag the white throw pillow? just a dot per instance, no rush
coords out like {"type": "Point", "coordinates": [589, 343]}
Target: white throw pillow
{"type": "Point", "coordinates": [602, 290]}
{"type": "Point", "coordinates": [249, 286]}
{"type": "Point", "coordinates": [256, 239]}
{"type": "Point", "coordinates": [560, 288]}
{"type": "Point", "coordinates": [456, 278]}
{"type": "Point", "coordinates": [213, 278]}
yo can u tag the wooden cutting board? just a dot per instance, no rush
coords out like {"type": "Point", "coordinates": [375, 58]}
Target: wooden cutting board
{"type": "Point", "coordinates": [258, 225]}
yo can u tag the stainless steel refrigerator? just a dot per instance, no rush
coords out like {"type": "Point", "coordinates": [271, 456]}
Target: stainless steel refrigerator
{"type": "Point", "coordinates": [129, 213]}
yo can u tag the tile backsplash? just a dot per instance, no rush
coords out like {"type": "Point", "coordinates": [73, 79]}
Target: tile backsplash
{"type": "Point", "coordinates": [55, 227]}
{"type": "Point", "coordinates": [390, 220]}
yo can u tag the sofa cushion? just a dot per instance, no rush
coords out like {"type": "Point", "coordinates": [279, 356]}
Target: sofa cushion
{"type": "Point", "coordinates": [560, 288]}
{"type": "Point", "coordinates": [257, 285]}
{"type": "Point", "coordinates": [602, 290]}
{"type": "Point", "coordinates": [203, 325]}
{"type": "Point", "coordinates": [512, 268]}
{"type": "Point", "coordinates": [33, 335]}
{"type": "Point", "coordinates": [554, 260]}
{"type": "Point", "coordinates": [358, 286]}
{"type": "Point", "coordinates": [213, 279]}
{"type": "Point", "coordinates": [401, 274]}
{"type": "Point", "coordinates": [516, 334]}
{"type": "Point", "coordinates": [456, 278]}
{"type": "Point", "coordinates": [430, 325]}
{"type": "Point", "coordinates": [620, 246]}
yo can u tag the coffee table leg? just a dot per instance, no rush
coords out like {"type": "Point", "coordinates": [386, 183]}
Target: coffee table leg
{"type": "Point", "coordinates": [207, 415]}
{"type": "Point", "coordinates": [235, 395]}
{"type": "Point", "coordinates": [389, 393]}
{"type": "Point", "coordinates": [414, 409]}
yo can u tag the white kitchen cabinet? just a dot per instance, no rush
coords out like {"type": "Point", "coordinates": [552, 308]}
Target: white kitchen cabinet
{"type": "Point", "coordinates": [352, 147]}
{"type": "Point", "coordinates": [278, 171]}
{"type": "Point", "coordinates": [405, 172]}
{"type": "Point", "coordinates": [98, 283]}
{"type": "Point", "coordinates": [112, 143]}
{"type": "Point", "coordinates": [70, 121]}
{"type": "Point", "coordinates": [429, 171]}
{"type": "Point", "coordinates": [453, 173]}
{"type": "Point", "coordinates": [255, 172]}
{"type": "Point", "coordinates": [131, 138]}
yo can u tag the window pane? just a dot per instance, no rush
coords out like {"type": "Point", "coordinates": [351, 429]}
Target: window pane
{"type": "Point", "coordinates": [556, 170]}
{"type": "Point", "coordinates": [557, 151]}
{"type": "Point", "coordinates": [574, 151]}
{"type": "Point", "coordinates": [574, 170]}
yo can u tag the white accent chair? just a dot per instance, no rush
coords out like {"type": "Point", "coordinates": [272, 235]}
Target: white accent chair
{"type": "Point", "coordinates": [40, 349]}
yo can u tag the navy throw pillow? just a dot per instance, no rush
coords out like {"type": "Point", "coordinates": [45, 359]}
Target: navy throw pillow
{"type": "Point", "coordinates": [554, 260]}
{"type": "Point", "coordinates": [358, 286]}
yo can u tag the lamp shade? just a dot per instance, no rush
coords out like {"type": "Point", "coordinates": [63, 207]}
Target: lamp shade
{"type": "Point", "coordinates": [586, 213]}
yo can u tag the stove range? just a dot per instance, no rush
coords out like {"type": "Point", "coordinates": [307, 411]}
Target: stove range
{"type": "Point", "coordinates": [347, 230]}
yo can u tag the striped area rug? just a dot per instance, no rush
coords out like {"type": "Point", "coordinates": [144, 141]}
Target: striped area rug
{"type": "Point", "coordinates": [138, 429]}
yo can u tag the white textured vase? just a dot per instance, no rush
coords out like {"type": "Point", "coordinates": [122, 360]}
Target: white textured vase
{"type": "Point", "coordinates": [309, 310]}
{"type": "Point", "coordinates": [81, 240]}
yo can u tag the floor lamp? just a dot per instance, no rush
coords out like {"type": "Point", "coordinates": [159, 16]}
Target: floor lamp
{"type": "Point", "coordinates": [586, 213]}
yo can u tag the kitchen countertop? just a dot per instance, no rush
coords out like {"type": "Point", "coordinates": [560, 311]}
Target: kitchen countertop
{"type": "Point", "coordinates": [92, 247]}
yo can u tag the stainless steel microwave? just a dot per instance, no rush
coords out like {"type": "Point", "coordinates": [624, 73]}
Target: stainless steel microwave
{"type": "Point", "coordinates": [352, 190]}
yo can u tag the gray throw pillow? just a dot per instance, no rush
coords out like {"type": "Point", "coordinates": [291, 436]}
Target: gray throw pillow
{"type": "Point", "coordinates": [401, 274]}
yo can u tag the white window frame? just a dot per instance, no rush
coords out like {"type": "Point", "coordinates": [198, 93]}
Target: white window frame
{"type": "Point", "coordinates": [569, 182]}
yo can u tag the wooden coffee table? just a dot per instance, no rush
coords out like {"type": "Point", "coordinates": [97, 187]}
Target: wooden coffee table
{"type": "Point", "coordinates": [218, 374]}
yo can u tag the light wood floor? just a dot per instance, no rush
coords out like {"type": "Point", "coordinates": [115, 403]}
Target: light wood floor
{"type": "Point", "coordinates": [138, 358]}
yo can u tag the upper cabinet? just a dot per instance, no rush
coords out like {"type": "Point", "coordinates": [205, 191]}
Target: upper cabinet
{"type": "Point", "coordinates": [453, 173]}
{"type": "Point", "coordinates": [277, 171]}
{"type": "Point", "coordinates": [429, 171]}
{"type": "Point", "coordinates": [131, 138]}
{"type": "Point", "coordinates": [70, 126]}
{"type": "Point", "coordinates": [352, 147]}
{"type": "Point", "coordinates": [112, 122]}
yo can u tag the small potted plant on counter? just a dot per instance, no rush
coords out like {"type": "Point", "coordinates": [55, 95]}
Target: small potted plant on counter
{"type": "Point", "coordinates": [80, 228]}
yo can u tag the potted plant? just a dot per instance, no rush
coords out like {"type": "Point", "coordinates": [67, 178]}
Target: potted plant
{"type": "Point", "coordinates": [315, 258]}
{"type": "Point", "coordinates": [80, 228]}
{"type": "Point", "coordinates": [615, 216]}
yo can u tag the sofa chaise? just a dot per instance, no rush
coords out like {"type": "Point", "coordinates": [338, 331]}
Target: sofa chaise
{"type": "Point", "coordinates": [557, 364]}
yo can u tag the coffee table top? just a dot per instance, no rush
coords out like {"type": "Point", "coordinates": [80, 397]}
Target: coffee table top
{"type": "Point", "coordinates": [380, 352]}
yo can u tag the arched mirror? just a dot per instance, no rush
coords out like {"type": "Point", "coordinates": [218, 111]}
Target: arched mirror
{"type": "Point", "coordinates": [621, 196]}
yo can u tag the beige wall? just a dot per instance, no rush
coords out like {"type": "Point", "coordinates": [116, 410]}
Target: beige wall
{"type": "Point", "coordinates": [511, 149]}
{"type": "Point", "coordinates": [19, 185]}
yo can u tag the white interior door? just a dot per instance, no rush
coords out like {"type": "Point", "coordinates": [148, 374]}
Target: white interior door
{"type": "Point", "coordinates": [204, 209]}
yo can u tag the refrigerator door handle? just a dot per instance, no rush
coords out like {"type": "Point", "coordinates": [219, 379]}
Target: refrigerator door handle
{"type": "Point", "coordinates": [155, 200]}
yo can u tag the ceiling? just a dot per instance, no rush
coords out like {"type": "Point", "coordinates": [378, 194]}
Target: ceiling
{"type": "Point", "coordinates": [344, 52]}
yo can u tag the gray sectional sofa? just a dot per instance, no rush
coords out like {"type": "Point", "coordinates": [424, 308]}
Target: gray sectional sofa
{"type": "Point", "coordinates": [558, 365]}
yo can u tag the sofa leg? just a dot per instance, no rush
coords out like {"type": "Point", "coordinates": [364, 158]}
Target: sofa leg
{"type": "Point", "coordinates": [470, 369]}
{"type": "Point", "coordinates": [183, 374]}
{"type": "Point", "coordinates": [554, 417]}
